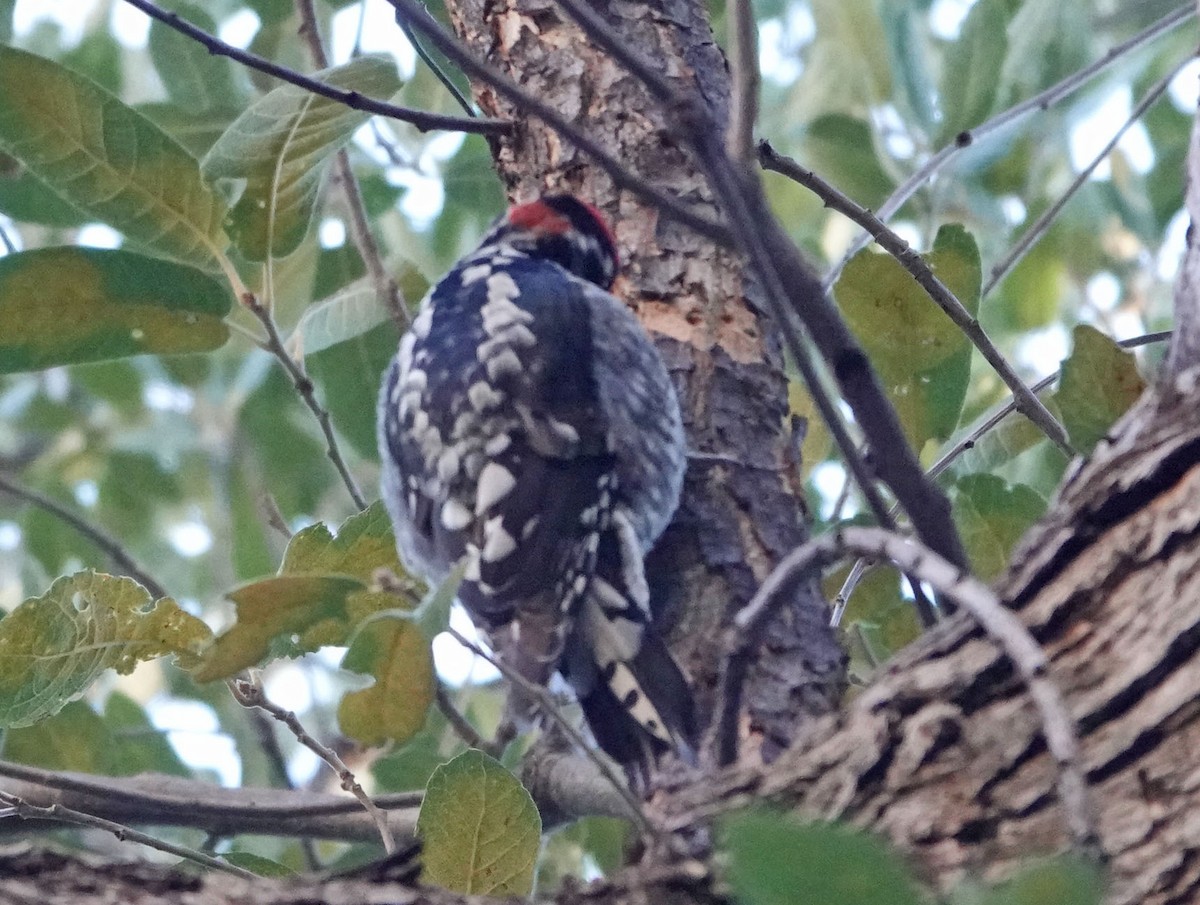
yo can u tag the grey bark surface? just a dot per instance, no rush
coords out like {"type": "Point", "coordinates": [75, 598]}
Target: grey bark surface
{"type": "Point", "coordinates": [739, 514]}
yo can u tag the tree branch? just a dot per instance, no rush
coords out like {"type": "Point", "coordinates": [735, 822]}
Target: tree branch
{"type": "Point", "coordinates": [999, 623]}
{"type": "Point", "coordinates": [419, 119]}
{"type": "Point", "coordinates": [102, 539]}
{"type": "Point", "coordinates": [1027, 403]}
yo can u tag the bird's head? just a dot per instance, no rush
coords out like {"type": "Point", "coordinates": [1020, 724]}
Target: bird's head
{"type": "Point", "coordinates": [563, 229]}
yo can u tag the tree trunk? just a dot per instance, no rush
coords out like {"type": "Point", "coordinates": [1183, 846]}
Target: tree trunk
{"type": "Point", "coordinates": [944, 753]}
{"type": "Point", "coordinates": [743, 510]}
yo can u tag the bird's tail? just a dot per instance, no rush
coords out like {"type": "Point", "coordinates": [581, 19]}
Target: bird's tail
{"type": "Point", "coordinates": [633, 693]}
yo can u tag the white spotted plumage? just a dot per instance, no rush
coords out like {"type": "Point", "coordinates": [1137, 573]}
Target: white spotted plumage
{"type": "Point", "coordinates": [529, 425]}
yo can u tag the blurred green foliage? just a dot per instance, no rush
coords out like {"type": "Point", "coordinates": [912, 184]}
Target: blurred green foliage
{"type": "Point", "coordinates": [211, 473]}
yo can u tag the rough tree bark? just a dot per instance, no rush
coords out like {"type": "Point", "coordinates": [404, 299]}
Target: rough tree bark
{"type": "Point", "coordinates": [740, 513]}
{"type": "Point", "coordinates": [943, 753]}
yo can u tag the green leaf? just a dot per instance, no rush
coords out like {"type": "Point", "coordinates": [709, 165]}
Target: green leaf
{"type": "Point", "coordinates": [772, 858]}
{"type": "Point", "coordinates": [54, 646]}
{"type": "Point", "coordinates": [347, 314]}
{"type": "Point", "coordinates": [1100, 381]}
{"type": "Point", "coordinates": [409, 768]}
{"type": "Point", "coordinates": [846, 68]}
{"type": "Point", "coordinates": [70, 305]}
{"type": "Point", "coordinates": [842, 149]}
{"type": "Point", "coordinates": [878, 609]}
{"type": "Point", "coordinates": [397, 654]}
{"type": "Point", "coordinates": [1060, 881]}
{"type": "Point", "coordinates": [138, 747]}
{"type": "Point", "coordinates": [195, 79]}
{"type": "Point", "coordinates": [922, 358]}
{"type": "Point", "coordinates": [75, 738]}
{"type": "Point", "coordinates": [27, 199]}
{"type": "Point", "coordinates": [992, 517]}
{"type": "Point", "coordinates": [363, 543]}
{"type": "Point", "coordinates": [275, 150]}
{"type": "Point", "coordinates": [107, 159]}
{"type": "Point", "coordinates": [480, 831]}
{"type": "Point", "coordinates": [971, 73]}
{"type": "Point", "coordinates": [350, 372]}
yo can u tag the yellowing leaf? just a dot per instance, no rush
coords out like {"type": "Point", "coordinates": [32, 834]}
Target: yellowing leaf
{"type": "Point", "coordinates": [1100, 381]}
{"type": "Point", "coordinates": [107, 159]}
{"type": "Point", "coordinates": [922, 358]}
{"type": "Point", "coordinates": [397, 653]}
{"type": "Point", "coordinates": [322, 593]}
{"type": "Point", "coordinates": [54, 646]}
{"type": "Point", "coordinates": [275, 150]}
{"type": "Point", "coordinates": [312, 607]}
{"type": "Point", "coordinates": [68, 305]}
{"type": "Point", "coordinates": [480, 831]}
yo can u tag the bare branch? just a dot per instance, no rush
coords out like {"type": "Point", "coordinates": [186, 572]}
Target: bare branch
{"type": "Point", "coordinates": [250, 694]}
{"type": "Point", "coordinates": [102, 539]}
{"type": "Point", "coordinates": [459, 723]}
{"type": "Point", "coordinates": [59, 814]}
{"type": "Point", "coordinates": [413, 13]}
{"type": "Point", "coordinates": [158, 800]}
{"type": "Point", "coordinates": [787, 283]}
{"type": "Point", "coordinates": [1035, 232]}
{"type": "Point", "coordinates": [1042, 101]}
{"type": "Point", "coordinates": [420, 119]}
{"type": "Point", "coordinates": [1000, 624]}
{"type": "Point", "coordinates": [304, 386]}
{"type": "Point", "coordinates": [1027, 403]}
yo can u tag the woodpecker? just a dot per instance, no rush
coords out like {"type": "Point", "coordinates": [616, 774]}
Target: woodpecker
{"type": "Point", "coordinates": [528, 424]}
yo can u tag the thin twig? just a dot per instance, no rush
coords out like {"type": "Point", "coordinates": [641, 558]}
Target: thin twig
{"type": "Point", "coordinates": [1038, 229]}
{"type": "Point", "coordinates": [458, 722]}
{"type": "Point", "coordinates": [420, 119]}
{"type": "Point", "coordinates": [439, 73]}
{"type": "Point", "coordinates": [788, 284]}
{"type": "Point", "coordinates": [1000, 624]}
{"type": "Point", "coordinates": [386, 288]}
{"type": "Point", "coordinates": [548, 706]}
{"type": "Point", "coordinates": [411, 11]}
{"type": "Point", "coordinates": [304, 386]}
{"type": "Point", "coordinates": [1042, 101]}
{"type": "Point", "coordinates": [102, 539]}
{"type": "Point", "coordinates": [1030, 406]}
{"type": "Point", "coordinates": [744, 78]}
{"type": "Point", "coordinates": [268, 742]}
{"type": "Point", "coordinates": [250, 694]}
{"type": "Point", "coordinates": [60, 814]}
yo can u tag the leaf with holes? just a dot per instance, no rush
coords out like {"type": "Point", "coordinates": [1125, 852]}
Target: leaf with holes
{"type": "Point", "coordinates": [68, 305]}
{"type": "Point", "coordinates": [54, 646]}
{"type": "Point", "coordinates": [480, 831]}
{"type": "Point", "coordinates": [1100, 381]}
{"type": "Point", "coordinates": [922, 358]}
{"type": "Point", "coordinates": [273, 153]}
{"type": "Point", "coordinates": [107, 159]}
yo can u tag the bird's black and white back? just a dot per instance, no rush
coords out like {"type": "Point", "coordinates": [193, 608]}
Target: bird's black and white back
{"type": "Point", "coordinates": [528, 424]}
